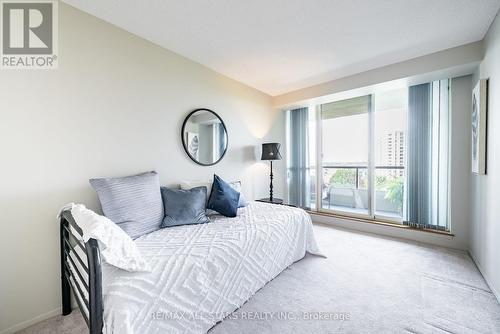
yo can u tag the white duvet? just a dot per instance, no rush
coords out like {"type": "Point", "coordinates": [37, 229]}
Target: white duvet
{"type": "Point", "coordinates": [202, 273]}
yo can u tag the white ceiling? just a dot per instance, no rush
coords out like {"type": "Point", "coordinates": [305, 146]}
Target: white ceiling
{"type": "Point", "coordinates": [278, 46]}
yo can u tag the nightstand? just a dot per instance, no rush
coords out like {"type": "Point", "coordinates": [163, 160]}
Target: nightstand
{"type": "Point", "coordinates": [278, 201]}
{"type": "Point", "coordinates": [274, 201]}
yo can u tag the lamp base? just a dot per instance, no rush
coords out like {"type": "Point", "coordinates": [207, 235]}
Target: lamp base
{"type": "Point", "coordinates": [268, 200]}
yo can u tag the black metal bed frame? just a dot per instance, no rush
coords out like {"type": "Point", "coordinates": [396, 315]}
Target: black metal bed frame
{"type": "Point", "coordinates": [91, 269]}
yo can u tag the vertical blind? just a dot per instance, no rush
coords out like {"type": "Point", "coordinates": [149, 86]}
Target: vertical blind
{"type": "Point", "coordinates": [419, 165]}
{"type": "Point", "coordinates": [298, 169]}
{"type": "Point", "coordinates": [428, 152]}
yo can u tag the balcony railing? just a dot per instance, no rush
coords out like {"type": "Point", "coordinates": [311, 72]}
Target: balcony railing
{"type": "Point", "coordinates": [349, 191]}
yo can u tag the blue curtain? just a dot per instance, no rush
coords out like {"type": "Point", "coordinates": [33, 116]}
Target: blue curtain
{"type": "Point", "coordinates": [419, 163]}
{"type": "Point", "coordinates": [298, 177]}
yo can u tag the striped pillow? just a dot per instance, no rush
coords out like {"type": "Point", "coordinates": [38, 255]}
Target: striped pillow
{"type": "Point", "coordinates": [133, 202]}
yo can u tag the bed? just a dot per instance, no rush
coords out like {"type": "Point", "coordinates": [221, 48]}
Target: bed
{"type": "Point", "coordinates": [199, 273]}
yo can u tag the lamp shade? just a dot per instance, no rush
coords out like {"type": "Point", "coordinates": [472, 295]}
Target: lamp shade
{"type": "Point", "coordinates": [271, 151]}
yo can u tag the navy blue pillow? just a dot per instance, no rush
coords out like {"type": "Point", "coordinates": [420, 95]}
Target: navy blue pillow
{"type": "Point", "coordinates": [223, 198]}
{"type": "Point", "coordinates": [184, 207]}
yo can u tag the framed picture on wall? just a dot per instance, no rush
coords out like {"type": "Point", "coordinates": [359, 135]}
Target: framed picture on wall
{"type": "Point", "coordinates": [479, 127]}
{"type": "Point", "coordinates": [193, 143]}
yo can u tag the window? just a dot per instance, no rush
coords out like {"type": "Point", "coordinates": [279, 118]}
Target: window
{"type": "Point", "coordinates": [345, 155]}
{"type": "Point", "coordinates": [390, 129]}
{"type": "Point", "coordinates": [380, 156]}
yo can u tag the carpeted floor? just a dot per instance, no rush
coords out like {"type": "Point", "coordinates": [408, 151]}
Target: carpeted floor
{"type": "Point", "coordinates": [368, 284]}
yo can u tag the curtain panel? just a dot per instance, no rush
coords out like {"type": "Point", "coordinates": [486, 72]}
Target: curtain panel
{"type": "Point", "coordinates": [428, 156]}
{"type": "Point", "coordinates": [298, 169]}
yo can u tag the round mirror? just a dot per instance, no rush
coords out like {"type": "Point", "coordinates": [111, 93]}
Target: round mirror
{"type": "Point", "coordinates": [204, 137]}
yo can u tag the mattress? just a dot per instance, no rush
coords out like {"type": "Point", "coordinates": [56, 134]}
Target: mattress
{"type": "Point", "coordinates": [202, 273]}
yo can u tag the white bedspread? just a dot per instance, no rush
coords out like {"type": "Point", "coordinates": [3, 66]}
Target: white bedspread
{"type": "Point", "coordinates": [202, 273]}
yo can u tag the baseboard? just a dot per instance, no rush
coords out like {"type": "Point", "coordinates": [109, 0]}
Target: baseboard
{"type": "Point", "coordinates": [30, 322]}
{"type": "Point", "coordinates": [487, 280]}
{"type": "Point", "coordinates": [437, 239]}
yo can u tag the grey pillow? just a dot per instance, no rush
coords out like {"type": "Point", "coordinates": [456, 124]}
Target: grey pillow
{"type": "Point", "coordinates": [237, 186]}
{"type": "Point", "coordinates": [184, 207]}
{"type": "Point", "coordinates": [132, 202]}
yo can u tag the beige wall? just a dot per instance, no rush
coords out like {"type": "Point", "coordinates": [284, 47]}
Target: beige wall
{"type": "Point", "coordinates": [460, 146]}
{"type": "Point", "coordinates": [114, 107]}
{"type": "Point", "coordinates": [485, 195]}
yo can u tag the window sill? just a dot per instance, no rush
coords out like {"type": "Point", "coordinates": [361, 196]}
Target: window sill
{"type": "Point", "coordinates": [379, 222]}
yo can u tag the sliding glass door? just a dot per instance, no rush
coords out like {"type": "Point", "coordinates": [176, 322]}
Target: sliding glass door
{"type": "Point", "coordinates": [390, 129]}
{"type": "Point", "coordinates": [363, 154]}
{"type": "Point", "coordinates": [345, 148]}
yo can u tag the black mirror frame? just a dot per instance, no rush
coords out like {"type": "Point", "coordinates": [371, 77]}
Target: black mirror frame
{"type": "Point", "coordinates": [184, 144]}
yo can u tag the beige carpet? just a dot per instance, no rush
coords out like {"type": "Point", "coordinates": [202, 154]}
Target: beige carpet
{"type": "Point", "coordinates": [375, 284]}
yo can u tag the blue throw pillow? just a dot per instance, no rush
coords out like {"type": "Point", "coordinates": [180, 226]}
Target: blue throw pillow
{"type": "Point", "coordinates": [223, 198]}
{"type": "Point", "coordinates": [184, 207]}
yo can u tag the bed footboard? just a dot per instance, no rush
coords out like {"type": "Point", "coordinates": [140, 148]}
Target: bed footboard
{"type": "Point", "coordinates": [81, 272]}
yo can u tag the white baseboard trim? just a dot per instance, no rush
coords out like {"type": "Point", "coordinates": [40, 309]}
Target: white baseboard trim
{"type": "Point", "coordinates": [30, 322]}
{"type": "Point", "coordinates": [487, 280]}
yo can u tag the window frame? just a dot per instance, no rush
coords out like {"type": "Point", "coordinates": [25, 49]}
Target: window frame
{"type": "Point", "coordinates": [370, 215]}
